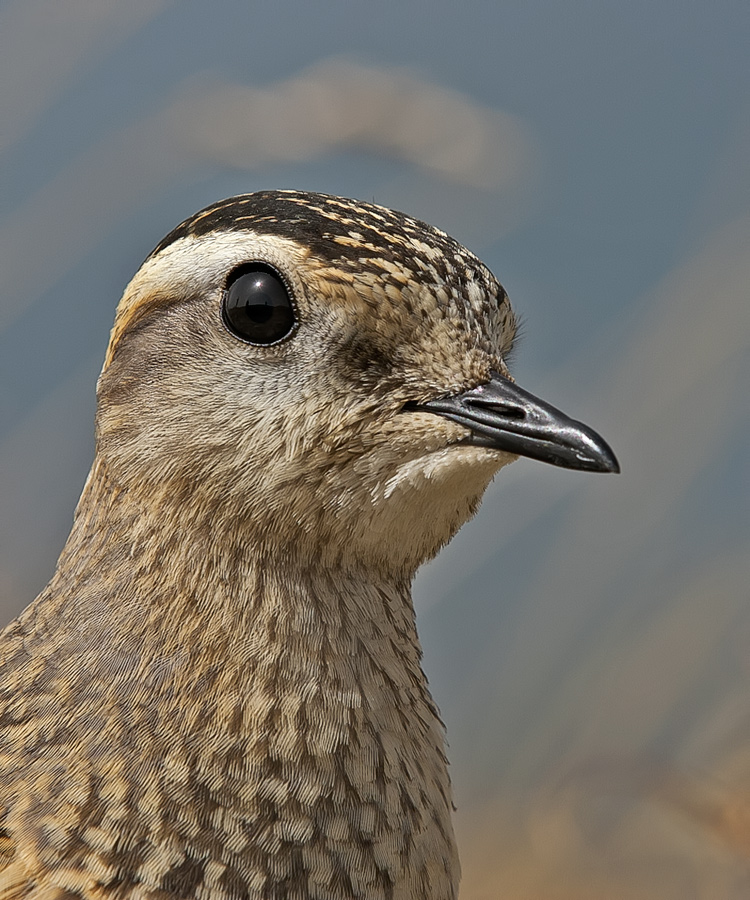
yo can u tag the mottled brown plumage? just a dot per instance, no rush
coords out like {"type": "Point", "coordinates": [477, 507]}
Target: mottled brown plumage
{"type": "Point", "coordinates": [219, 694]}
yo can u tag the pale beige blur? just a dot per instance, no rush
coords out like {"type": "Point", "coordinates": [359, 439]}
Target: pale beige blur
{"type": "Point", "coordinates": [340, 103]}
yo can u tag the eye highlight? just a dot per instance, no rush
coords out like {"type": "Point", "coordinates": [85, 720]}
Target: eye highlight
{"type": "Point", "coordinates": [257, 305]}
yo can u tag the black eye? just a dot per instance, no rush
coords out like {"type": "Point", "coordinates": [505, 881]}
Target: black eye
{"type": "Point", "coordinates": [257, 305]}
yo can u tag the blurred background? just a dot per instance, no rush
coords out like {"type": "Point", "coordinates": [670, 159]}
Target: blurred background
{"type": "Point", "coordinates": [587, 637]}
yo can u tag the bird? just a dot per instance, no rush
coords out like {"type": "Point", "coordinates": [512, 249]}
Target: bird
{"type": "Point", "coordinates": [220, 694]}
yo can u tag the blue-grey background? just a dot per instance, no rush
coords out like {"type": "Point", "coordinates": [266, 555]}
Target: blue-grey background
{"type": "Point", "coordinates": [587, 637]}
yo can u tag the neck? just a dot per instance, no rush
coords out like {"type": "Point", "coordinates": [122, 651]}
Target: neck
{"type": "Point", "coordinates": [290, 695]}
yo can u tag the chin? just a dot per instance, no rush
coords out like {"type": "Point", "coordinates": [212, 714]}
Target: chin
{"type": "Point", "coordinates": [424, 502]}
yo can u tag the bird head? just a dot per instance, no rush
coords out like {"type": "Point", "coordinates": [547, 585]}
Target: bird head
{"type": "Point", "coordinates": [322, 376]}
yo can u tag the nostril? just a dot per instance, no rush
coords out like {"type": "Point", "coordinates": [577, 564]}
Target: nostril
{"type": "Point", "coordinates": [507, 410]}
{"type": "Point", "coordinates": [511, 412]}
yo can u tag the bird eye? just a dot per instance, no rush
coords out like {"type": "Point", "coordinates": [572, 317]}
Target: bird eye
{"type": "Point", "coordinates": [257, 305]}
